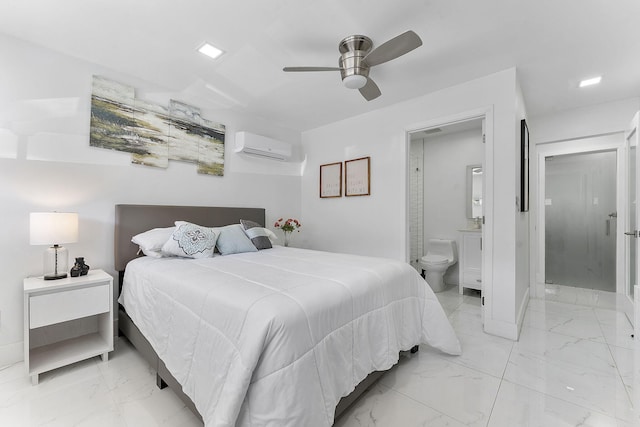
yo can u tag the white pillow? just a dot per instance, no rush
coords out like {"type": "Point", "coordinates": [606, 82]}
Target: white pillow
{"type": "Point", "coordinates": [270, 234]}
{"type": "Point", "coordinates": [151, 242]}
{"type": "Point", "coordinates": [191, 241]}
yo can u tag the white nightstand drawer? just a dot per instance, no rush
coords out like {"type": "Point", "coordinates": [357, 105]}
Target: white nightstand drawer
{"type": "Point", "coordinates": [66, 321]}
{"type": "Point", "coordinates": [58, 307]}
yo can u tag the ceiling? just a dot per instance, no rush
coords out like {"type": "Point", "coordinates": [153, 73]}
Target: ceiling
{"type": "Point", "coordinates": [552, 44]}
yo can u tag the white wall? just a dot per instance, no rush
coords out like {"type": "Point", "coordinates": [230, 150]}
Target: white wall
{"type": "Point", "coordinates": [570, 128]}
{"type": "Point", "coordinates": [377, 224]}
{"type": "Point", "coordinates": [46, 164]}
{"type": "Point", "coordinates": [446, 158]}
{"type": "Point", "coordinates": [523, 235]}
{"type": "Point", "coordinates": [583, 122]}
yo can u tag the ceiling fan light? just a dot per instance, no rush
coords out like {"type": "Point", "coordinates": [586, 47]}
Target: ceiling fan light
{"type": "Point", "coordinates": [354, 81]}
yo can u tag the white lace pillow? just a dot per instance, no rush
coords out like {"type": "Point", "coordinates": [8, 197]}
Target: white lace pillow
{"type": "Point", "coordinates": [151, 241]}
{"type": "Point", "coordinates": [191, 241]}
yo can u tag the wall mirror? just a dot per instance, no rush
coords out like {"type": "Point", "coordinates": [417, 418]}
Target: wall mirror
{"type": "Point", "coordinates": [474, 191]}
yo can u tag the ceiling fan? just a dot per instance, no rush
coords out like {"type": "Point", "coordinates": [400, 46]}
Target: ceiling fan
{"type": "Point", "coordinates": [357, 58]}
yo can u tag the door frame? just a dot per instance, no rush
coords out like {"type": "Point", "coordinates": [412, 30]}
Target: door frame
{"type": "Point", "coordinates": [487, 114]}
{"type": "Point", "coordinates": [614, 141]}
{"type": "Point", "coordinates": [628, 305]}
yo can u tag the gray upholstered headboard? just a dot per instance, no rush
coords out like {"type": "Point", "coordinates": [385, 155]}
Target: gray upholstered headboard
{"type": "Point", "coordinates": [133, 219]}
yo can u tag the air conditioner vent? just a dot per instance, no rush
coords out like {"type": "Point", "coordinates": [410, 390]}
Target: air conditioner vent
{"type": "Point", "coordinates": [261, 146]}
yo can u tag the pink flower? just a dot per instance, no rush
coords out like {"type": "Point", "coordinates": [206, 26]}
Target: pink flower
{"type": "Point", "coordinates": [288, 226]}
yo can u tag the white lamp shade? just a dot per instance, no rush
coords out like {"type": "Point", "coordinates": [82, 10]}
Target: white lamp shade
{"type": "Point", "coordinates": [47, 228]}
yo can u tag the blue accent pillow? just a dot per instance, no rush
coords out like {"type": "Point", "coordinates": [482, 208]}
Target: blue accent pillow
{"type": "Point", "coordinates": [232, 240]}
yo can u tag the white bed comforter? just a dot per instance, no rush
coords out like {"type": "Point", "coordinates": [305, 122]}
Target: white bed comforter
{"type": "Point", "coordinates": [277, 337]}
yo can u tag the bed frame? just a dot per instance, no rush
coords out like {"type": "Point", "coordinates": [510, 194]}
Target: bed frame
{"type": "Point", "coordinates": [133, 219]}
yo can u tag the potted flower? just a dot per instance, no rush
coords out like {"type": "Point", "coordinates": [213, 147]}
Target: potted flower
{"type": "Point", "coordinates": [288, 227]}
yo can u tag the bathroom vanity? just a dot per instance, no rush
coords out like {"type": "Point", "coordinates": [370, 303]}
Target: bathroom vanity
{"type": "Point", "coordinates": [470, 259]}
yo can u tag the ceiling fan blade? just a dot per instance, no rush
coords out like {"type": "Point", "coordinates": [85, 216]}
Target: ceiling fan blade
{"type": "Point", "coordinates": [297, 69]}
{"type": "Point", "coordinates": [391, 49]}
{"type": "Point", "coordinates": [370, 91]}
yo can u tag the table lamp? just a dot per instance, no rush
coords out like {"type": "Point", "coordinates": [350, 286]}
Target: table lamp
{"type": "Point", "coordinates": [54, 228]}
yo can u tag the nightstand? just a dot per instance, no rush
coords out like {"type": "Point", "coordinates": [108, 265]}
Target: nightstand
{"type": "Point", "coordinates": [66, 321]}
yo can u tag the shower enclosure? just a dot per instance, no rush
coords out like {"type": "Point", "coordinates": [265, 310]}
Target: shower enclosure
{"type": "Point", "coordinates": [581, 220]}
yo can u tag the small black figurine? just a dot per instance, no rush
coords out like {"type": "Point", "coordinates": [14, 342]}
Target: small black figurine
{"type": "Point", "coordinates": [79, 268]}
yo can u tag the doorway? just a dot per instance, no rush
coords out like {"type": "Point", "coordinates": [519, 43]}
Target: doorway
{"type": "Point", "coordinates": [484, 117]}
{"type": "Point", "coordinates": [632, 244]}
{"type": "Point", "coordinates": [581, 220]}
{"type": "Point", "coordinates": [442, 199]}
{"type": "Point", "coordinates": [581, 155]}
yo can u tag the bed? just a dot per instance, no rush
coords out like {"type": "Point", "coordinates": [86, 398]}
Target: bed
{"type": "Point", "coordinates": [281, 336]}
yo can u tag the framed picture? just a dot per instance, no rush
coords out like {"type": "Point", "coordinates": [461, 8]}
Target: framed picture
{"type": "Point", "coordinates": [357, 180]}
{"type": "Point", "coordinates": [331, 180]}
{"type": "Point", "coordinates": [524, 166]}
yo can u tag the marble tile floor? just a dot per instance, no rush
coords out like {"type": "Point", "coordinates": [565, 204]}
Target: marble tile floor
{"type": "Point", "coordinates": [574, 365]}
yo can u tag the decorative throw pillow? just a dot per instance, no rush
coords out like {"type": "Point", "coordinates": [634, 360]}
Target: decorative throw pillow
{"type": "Point", "coordinates": [232, 240]}
{"type": "Point", "coordinates": [191, 241]}
{"type": "Point", "coordinates": [271, 235]}
{"type": "Point", "coordinates": [151, 241]}
{"type": "Point", "coordinates": [257, 234]}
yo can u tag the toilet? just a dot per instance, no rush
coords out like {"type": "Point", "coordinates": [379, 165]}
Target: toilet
{"type": "Point", "coordinates": [441, 254]}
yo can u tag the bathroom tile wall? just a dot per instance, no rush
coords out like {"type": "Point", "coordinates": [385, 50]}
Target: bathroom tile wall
{"type": "Point", "coordinates": [416, 203]}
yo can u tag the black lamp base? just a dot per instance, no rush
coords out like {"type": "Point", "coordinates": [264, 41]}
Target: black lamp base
{"type": "Point", "coordinates": [55, 276]}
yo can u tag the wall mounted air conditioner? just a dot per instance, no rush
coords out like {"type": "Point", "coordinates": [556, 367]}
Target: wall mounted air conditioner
{"type": "Point", "coordinates": [261, 146]}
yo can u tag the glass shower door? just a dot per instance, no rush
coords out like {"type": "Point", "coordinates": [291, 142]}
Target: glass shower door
{"type": "Point", "coordinates": [581, 220]}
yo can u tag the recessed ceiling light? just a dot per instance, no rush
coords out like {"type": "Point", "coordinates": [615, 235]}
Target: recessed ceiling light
{"type": "Point", "coordinates": [589, 82]}
{"type": "Point", "coordinates": [210, 51]}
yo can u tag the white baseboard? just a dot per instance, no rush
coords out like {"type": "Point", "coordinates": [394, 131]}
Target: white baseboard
{"type": "Point", "coordinates": [501, 329]}
{"type": "Point", "coordinates": [11, 353]}
{"type": "Point", "coordinates": [636, 308]}
{"type": "Point", "coordinates": [507, 329]}
{"type": "Point", "coordinates": [523, 310]}
{"type": "Point", "coordinates": [537, 290]}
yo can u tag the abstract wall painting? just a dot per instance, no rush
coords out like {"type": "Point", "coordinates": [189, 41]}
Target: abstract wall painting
{"type": "Point", "coordinates": [211, 149]}
{"type": "Point", "coordinates": [112, 116]}
{"type": "Point", "coordinates": [183, 132]}
{"type": "Point", "coordinates": [153, 133]}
